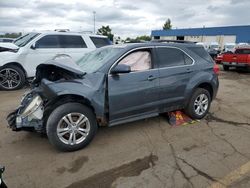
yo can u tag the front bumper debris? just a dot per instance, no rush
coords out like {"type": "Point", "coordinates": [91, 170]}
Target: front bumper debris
{"type": "Point", "coordinates": [29, 115]}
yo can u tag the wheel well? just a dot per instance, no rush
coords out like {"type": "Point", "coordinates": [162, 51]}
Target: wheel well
{"type": "Point", "coordinates": [70, 98]}
{"type": "Point", "coordinates": [51, 105]}
{"type": "Point", "coordinates": [18, 65]}
{"type": "Point", "coordinates": [208, 87]}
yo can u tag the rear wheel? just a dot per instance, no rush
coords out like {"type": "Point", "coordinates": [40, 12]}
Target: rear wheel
{"type": "Point", "coordinates": [71, 127]}
{"type": "Point", "coordinates": [11, 77]}
{"type": "Point", "coordinates": [225, 67]}
{"type": "Point", "coordinates": [199, 104]}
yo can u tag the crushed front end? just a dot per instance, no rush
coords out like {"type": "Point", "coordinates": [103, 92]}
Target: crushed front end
{"type": "Point", "coordinates": [29, 115]}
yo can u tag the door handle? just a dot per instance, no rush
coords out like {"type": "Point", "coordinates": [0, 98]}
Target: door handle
{"type": "Point", "coordinates": [189, 70]}
{"type": "Point", "coordinates": [151, 78]}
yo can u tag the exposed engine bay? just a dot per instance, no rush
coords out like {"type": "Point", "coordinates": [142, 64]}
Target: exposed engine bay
{"type": "Point", "coordinates": [8, 47]}
{"type": "Point", "coordinates": [54, 73]}
{"type": "Point", "coordinates": [2, 49]}
{"type": "Point", "coordinates": [29, 115]}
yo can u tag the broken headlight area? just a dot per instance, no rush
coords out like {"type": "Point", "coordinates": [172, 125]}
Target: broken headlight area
{"type": "Point", "coordinates": [29, 114]}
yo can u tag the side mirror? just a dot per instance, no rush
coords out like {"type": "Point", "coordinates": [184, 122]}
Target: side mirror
{"type": "Point", "coordinates": [121, 68]}
{"type": "Point", "coordinates": [33, 46]}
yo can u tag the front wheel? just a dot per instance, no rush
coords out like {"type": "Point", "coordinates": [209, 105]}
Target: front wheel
{"type": "Point", "coordinates": [11, 78]}
{"type": "Point", "coordinates": [71, 127]}
{"type": "Point", "coordinates": [199, 104]}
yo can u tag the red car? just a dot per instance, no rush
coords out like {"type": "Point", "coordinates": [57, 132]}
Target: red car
{"type": "Point", "coordinates": [240, 58]}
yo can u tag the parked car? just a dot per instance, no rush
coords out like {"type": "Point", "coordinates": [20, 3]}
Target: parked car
{"type": "Point", "coordinates": [214, 49]}
{"type": "Point", "coordinates": [18, 60]}
{"type": "Point", "coordinates": [214, 46]}
{"type": "Point", "coordinates": [219, 57]}
{"type": "Point", "coordinates": [114, 85]}
{"type": "Point", "coordinates": [242, 44]}
{"type": "Point", "coordinates": [229, 47]}
{"type": "Point", "coordinates": [6, 40]}
{"type": "Point", "coordinates": [239, 59]}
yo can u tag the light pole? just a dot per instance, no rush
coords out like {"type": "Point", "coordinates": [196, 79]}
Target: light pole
{"type": "Point", "coordinates": [94, 12]}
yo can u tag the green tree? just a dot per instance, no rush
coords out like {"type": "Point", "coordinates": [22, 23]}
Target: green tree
{"type": "Point", "coordinates": [143, 38]}
{"type": "Point", "coordinates": [106, 31]}
{"type": "Point", "coordinates": [11, 35]}
{"type": "Point", "coordinates": [138, 39]}
{"type": "Point", "coordinates": [167, 25]}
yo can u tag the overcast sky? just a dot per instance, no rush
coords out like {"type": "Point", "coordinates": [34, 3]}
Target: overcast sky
{"type": "Point", "coordinates": [125, 17]}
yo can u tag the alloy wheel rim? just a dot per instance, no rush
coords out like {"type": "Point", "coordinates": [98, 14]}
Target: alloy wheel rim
{"type": "Point", "coordinates": [73, 128]}
{"type": "Point", "coordinates": [201, 104]}
{"type": "Point", "coordinates": [9, 78]}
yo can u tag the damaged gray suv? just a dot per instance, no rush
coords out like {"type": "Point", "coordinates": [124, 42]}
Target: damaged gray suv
{"type": "Point", "coordinates": [114, 85]}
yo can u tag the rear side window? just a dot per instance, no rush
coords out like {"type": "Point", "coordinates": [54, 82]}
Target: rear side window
{"type": "Point", "coordinates": [242, 51]}
{"type": "Point", "coordinates": [71, 41]}
{"type": "Point", "coordinates": [200, 51]}
{"type": "Point", "coordinates": [187, 60]}
{"type": "Point", "coordinates": [169, 57]}
{"type": "Point", "coordinates": [61, 41]}
{"type": "Point", "coordinates": [100, 42]}
{"type": "Point", "coordinates": [49, 41]}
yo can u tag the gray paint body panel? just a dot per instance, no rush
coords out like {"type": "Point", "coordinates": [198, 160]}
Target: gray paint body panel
{"type": "Point", "coordinates": [132, 96]}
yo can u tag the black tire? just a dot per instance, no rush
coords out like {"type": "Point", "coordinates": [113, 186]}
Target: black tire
{"type": "Point", "coordinates": [226, 68]}
{"type": "Point", "coordinates": [61, 111]}
{"type": "Point", "coordinates": [19, 76]}
{"type": "Point", "coordinates": [190, 109]}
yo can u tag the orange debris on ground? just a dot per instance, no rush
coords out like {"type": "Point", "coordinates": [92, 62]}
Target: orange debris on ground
{"type": "Point", "coordinates": [177, 118]}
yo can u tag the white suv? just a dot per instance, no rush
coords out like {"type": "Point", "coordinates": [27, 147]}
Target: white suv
{"type": "Point", "coordinates": [18, 60]}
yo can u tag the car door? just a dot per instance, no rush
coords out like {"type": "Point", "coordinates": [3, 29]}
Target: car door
{"type": "Point", "coordinates": [242, 55]}
{"type": "Point", "coordinates": [175, 70]}
{"type": "Point", "coordinates": [42, 50]}
{"type": "Point", "coordinates": [133, 95]}
{"type": "Point", "coordinates": [74, 46]}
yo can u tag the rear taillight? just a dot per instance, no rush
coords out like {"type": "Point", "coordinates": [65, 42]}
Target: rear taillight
{"type": "Point", "coordinates": [216, 69]}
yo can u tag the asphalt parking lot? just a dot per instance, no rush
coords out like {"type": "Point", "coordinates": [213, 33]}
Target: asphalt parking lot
{"type": "Point", "coordinates": [150, 153]}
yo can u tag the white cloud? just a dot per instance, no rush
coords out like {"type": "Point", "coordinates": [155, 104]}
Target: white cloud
{"type": "Point", "coordinates": [126, 18]}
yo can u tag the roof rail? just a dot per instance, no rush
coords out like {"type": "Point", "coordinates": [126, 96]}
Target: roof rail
{"type": "Point", "coordinates": [173, 41]}
{"type": "Point", "coordinates": [62, 30]}
{"type": "Point", "coordinates": [87, 32]}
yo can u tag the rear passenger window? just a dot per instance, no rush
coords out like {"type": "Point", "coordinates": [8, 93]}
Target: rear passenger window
{"type": "Point", "coordinates": [246, 51]}
{"type": "Point", "coordinates": [71, 41]}
{"type": "Point", "coordinates": [200, 51]}
{"type": "Point", "coordinates": [187, 59]}
{"type": "Point", "coordinates": [242, 51]}
{"type": "Point", "coordinates": [169, 57]}
{"type": "Point", "coordinates": [238, 51]}
{"type": "Point", "coordinates": [49, 41]}
{"type": "Point", "coordinates": [100, 42]}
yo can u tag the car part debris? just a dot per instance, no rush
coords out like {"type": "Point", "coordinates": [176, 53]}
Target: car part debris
{"type": "Point", "coordinates": [178, 118]}
{"type": "Point", "coordinates": [2, 184]}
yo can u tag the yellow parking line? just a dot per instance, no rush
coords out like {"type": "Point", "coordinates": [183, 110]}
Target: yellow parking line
{"type": "Point", "coordinates": [232, 176]}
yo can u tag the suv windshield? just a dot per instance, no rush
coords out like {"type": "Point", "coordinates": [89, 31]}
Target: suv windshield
{"type": "Point", "coordinates": [25, 39]}
{"type": "Point", "coordinates": [229, 46]}
{"type": "Point", "coordinates": [214, 46]}
{"type": "Point", "coordinates": [92, 61]}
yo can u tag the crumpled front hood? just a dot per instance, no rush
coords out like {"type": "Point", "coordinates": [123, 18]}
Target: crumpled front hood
{"type": "Point", "coordinates": [7, 46]}
{"type": "Point", "coordinates": [59, 69]}
{"type": "Point", "coordinates": [64, 63]}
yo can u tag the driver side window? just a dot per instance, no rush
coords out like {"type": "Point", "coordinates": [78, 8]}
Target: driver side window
{"type": "Point", "coordinates": [138, 61]}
